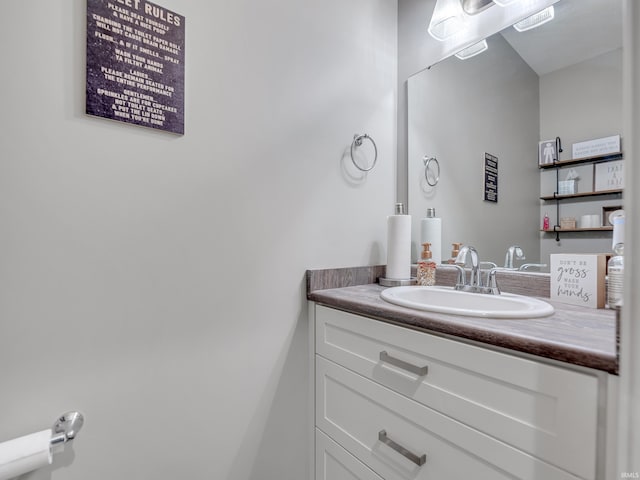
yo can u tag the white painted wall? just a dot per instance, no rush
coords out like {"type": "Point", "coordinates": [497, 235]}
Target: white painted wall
{"type": "Point", "coordinates": [458, 110]}
{"type": "Point", "coordinates": [156, 282]}
{"type": "Point", "coordinates": [577, 103]}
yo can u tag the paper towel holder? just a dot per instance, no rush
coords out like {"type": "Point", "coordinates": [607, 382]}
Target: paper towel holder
{"type": "Point", "coordinates": [66, 428]}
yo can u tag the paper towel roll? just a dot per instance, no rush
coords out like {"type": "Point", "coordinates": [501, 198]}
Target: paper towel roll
{"type": "Point", "coordinates": [585, 221]}
{"type": "Point", "coordinates": [24, 454]}
{"type": "Point", "coordinates": [398, 247]}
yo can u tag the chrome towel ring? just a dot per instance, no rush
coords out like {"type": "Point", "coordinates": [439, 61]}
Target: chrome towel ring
{"type": "Point", "coordinates": [357, 142]}
{"type": "Point", "coordinates": [432, 179]}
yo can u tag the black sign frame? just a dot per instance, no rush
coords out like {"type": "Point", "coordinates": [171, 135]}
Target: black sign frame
{"type": "Point", "coordinates": [490, 178]}
{"type": "Point", "coordinates": [136, 63]}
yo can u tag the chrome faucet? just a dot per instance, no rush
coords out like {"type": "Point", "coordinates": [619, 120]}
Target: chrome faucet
{"type": "Point", "coordinates": [467, 251]}
{"type": "Point", "coordinates": [459, 269]}
{"type": "Point", "coordinates": [514, 250]}
{"type": "Point", "coordinates": [475, 279]}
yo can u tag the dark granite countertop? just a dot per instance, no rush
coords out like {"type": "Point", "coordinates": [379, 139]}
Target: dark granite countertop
{"type": "Point", "coordinates": [577, 335]}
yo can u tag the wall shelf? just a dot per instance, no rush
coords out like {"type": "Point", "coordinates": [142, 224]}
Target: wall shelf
{"type": "Point", "coordinates": [565, 230]}
{"type": "Point", "coordinates": [609, 157]}
{"type": "Point", "coordinates": [579, 195]}
{"type": "Point", "coordinates": [557, 166]}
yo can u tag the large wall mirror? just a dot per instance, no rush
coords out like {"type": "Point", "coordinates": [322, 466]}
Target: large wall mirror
{"type": "Point", "coordinates": [562, 79]}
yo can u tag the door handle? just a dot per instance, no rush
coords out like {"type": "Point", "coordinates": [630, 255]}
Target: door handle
{"type": "Point", "coordinates": [418, 460]}
{"type": "Point", "coordinates": [420, 371]}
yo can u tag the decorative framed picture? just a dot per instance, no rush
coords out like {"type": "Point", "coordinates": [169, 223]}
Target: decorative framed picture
{"type": "Point", "coordinates": [135, 64]}
{"type": "Point", "coordinates": [578, 279]}
{"type": "Point", "coordinates": [598, 146]}
{"type": "Point", "coordinates": [609, 176]}
{"type": "Point", "coordinates": [547, 152]}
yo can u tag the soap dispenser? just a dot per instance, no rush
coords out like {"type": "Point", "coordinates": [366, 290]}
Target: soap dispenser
{"type": "Point", "coordinates": [426, 272]}
{"type": "Point", "coordinates": [455, 250]}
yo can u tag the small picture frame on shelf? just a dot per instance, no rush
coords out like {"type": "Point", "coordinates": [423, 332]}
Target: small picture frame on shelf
{"type": "Point", "coordinates": [547, 152]}
{"type": "Point", "coordinates": [598, 146]}
{"type": "Point", "coordinates": [609, 176]}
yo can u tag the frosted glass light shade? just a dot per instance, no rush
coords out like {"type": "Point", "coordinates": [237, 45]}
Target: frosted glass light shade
{"type": "Point", "coordinates": [473, 50]}
{"type": "Point", "coordinates": [448, 19]}
{"type": "Point", "coordinates": [535, 20]}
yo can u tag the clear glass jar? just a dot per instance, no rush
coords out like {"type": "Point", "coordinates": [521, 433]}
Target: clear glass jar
{"type": "Point", "coordinates": [615, 266]}
{"type": "Point", "coordinates": [615, 285]}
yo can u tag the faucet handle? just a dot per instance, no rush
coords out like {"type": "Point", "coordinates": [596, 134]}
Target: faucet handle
{"type": "Point", "coordinates": [526, 266]}
{"type": "Point", "coordinates": [488, 265]}
{"type": "Point", "coordinates": [492, 282]}
{"type": "Point", "coordinates": [460, 280]}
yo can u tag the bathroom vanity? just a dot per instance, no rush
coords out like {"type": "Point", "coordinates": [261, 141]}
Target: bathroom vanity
{"type": "Point", "coordinates": [404, 394]}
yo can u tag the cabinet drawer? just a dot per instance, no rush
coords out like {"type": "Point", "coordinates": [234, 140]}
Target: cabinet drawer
{"type": "Point", "coordinates": [334, 463]}
{"type": "Point", "coordinates": [546, 411]}
{"type": "Point", "coordinates": [355, 411]}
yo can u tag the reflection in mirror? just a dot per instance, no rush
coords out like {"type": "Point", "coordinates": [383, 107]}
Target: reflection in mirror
{"type": "Point", "coordinates": [561, 79]}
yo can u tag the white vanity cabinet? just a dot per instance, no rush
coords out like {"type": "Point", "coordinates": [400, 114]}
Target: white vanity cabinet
{"type": "Point", "coordinates": [402, 404]}
{"type": "Point", "coordinates": [334, 463]}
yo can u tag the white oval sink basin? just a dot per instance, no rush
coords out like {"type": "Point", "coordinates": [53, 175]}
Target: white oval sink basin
{"type": "Point", "coordinates": [448, 300]}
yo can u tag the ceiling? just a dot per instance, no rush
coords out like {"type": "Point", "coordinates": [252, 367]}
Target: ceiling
{"type": "Point", "coordinates": [581, 29]}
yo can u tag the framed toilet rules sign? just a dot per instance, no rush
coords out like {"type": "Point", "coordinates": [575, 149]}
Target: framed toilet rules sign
{"type": "Point", "coordinates": [490, 178]}
{"type": "Point", "coordinates": [135, 63]}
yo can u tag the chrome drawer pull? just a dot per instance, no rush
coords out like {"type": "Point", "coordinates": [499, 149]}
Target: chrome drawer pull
{"type": "Point", "coordinates": [418, 460]}
{"type": "Point", "coordinates": [421, 371]}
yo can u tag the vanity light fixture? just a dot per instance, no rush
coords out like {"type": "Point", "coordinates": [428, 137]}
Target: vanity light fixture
{"type": "Point", "coordinates": [448, 19]}
{"type": "Point", "coordinates": [472, 7]}
{"type": "Point", "coordinates": [535, 20]}
{"type": "Point", "coordinates": [458, 22]}
{"type": "Point", "coordinates": [473, 50]}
